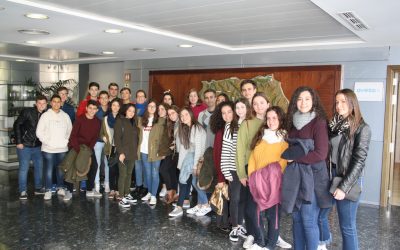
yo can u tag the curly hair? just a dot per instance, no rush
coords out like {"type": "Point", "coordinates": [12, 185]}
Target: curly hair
{"type": "Point", "coordinates": [316, 105]}
{"type": "Point", "coordinates": [217, 122]}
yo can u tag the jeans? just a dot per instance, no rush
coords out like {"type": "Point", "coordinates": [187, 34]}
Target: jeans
{"type": "Point", "coordinates": [139, 174]}
{"type": "Point", "coordinates": [152, 176]}
{"type": "Point", "coordinates": [201, 194]}
{"type": "Point", "coordinates": [91, 175]}
{"type": "Point", "coordinates": [237, 197]}
{"type": "Point", "coordinates": [98, 152]}
{"type": "Point", "coordinates": [273, 215]}
{"type": "Point", "coordinates": [347, 212]}
{"type": "Point", "coordinates": [124, 180]}
{"type": "Point", "coordinates": [254, 223]}
{"type": "Point", "coordinates": [51, 161]}
{"type": "Point", "coordinates": [184, 190]}
{"type": "Point", "coordinates": [305, 226]}
{"type": "Point", "coordinates": [325, 236]}
{"type": "Point", "coordinates": [25, 155]}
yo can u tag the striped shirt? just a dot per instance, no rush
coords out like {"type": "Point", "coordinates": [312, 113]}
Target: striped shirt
{"type": "Point", "coordinates": [228, 153]}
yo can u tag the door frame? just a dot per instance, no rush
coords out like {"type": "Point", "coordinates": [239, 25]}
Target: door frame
{"type": "Point", "coordinates": [388, 157]}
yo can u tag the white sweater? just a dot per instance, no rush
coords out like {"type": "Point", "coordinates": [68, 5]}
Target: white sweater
{"type": "Point", "coordinates": [197, 145]}
{"type": "Point", "coordinates": [53, 131]}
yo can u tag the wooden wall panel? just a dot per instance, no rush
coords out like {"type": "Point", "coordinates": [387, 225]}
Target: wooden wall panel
{"type": "Point", "coordinates": [325, 79]}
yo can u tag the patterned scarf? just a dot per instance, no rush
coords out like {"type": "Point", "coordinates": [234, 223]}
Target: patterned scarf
{"type": "Point", "coordinates": [338, 125]}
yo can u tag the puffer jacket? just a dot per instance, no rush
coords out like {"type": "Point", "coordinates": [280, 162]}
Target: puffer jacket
{"type": "Point", "coordinates": [25, 127]}
{"type": "Point", "coordinates": [352, 153]}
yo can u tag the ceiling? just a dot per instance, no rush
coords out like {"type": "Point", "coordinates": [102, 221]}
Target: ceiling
{"type": "Point", "coordinates": [213, 27]}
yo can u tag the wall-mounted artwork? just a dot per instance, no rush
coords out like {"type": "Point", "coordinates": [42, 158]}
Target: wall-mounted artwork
{"type": "Point", "coordinates": [49, 89]}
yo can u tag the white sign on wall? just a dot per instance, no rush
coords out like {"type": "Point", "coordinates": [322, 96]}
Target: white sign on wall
{"type": "Point", "coordinates": [369, 91]}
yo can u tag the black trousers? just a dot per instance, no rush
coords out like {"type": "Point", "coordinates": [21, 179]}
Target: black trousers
{"type": "Point", "coordinates": [237, 199]}
{"type": "Point", "coordinates": [168, 171]}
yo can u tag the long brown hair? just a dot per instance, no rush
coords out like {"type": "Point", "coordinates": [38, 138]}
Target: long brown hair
{"type": "Point", "coordinates": [199, 101]}
{"type": "Point", "coordinates": [171, 124]}
{"type": "Point", "coordinates": [355, 118]}
{"type": "Point", "coordinates": [145, 118]}
{"type": "Point", "coordinates": [184, 130]}
{"type": "Point", "coordinates": [261, 94]}
{"type": "Point", "coordinates": [249, 112]}
{"type": "Point", "coordinates": [281, 129]}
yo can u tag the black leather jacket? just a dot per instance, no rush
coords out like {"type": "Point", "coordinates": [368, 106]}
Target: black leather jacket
{"type": "Point", "coordinates": [25, 127]}
{"type": "Point", "coordinates": [352, 154]}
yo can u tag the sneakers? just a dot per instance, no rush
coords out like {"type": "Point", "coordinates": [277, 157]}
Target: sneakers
{"type": "Point", "coordinates": [54, 188]}
{"type": "Point", "coordinates": [185, 205]}
{"type": "Point", "coordinates": [242, 231]}
{"type": "Point", "coordinates": [233, 235]}
{"type": "Point", "coordinates": [146, 197]}
{"type": "Point", "coordinates": [97, 188]}
{"type": "Point", "coordinates": [106, 187]}
{"type": "Point", "coordinates": [61, 192]}
{"type": "Point", "coordinates": [129, 199]}
{"type": "Point", "coordinates": [283, 244]}
{"type": "Point", "coordinates": [178, 211]}
{"type": "Point", "coordinates": [248, 242]}
{"type": "Point", "coordinates": [97, 194]}
{"type": "Point", "coordinates": [193, 210]}
{"type": "Point", "coordinates": [23, 195]}
{"type": "Point", "coordinates": [322, 247]}
{"type": "Point", "coordinates": [163, 192]}
{"type": "Point", "coordinates": [47, 195]}
{"type": "Point", "coordinates": [203, 211]}
{"type": "Point", "coordinates": [255, 246]}
{"type": "Point", "coordinates": [40, 191]}
{"type": "Point", "coordinates": [67, 196]}
{"type": "Point", "coordinates": [153, 200]}
{"type": "Point", "coordinates": [124, 204]}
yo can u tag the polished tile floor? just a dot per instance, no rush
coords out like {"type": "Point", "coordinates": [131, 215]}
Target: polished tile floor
{"type": "Point", "coordinates": [102, 224]}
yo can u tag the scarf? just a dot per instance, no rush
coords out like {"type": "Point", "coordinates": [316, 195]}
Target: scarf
{"type": "Point", "coordinates": [111, 120]}
{"type": "Point", "coordinates": [272, 137]}
{"type": "Point", "coordinates": [302, 119]}
{"type": "Point", "coordinates": [338, 125]}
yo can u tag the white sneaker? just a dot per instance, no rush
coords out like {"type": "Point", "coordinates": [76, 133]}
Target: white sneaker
{"type": "Point", "coordinates": [124, 204]}
{"type": "Point", "coordinates": [163, 192]}
{"type": "Point", "coordinates": [129, 199]}
{"type": "Point", "coordinates": [153, 200]}
{"type": "Point", "coordinates": [90, 194]}
{"type": "Point", "coordinates": [248, 242]}
{"type": "Point", "coordinates": [203, 211]}
{"type": "Point", "coordinates": [67, 196]}
{"type": "Point", "coordinates": [107, 187]}
{"type": "Point", "coordinates": [146, 197]}
{"type": "Point", "coordinates": [61, 191]}
{"type": "Point", "coordinates": [322, 247]}
{"type": "Point", "coordinates": [193, 210]}
{"type": "Point", "coordinates": [242, 232]}
{"type": "Point", "coordinates": [47, 196]}
{"type": "Point", "coordinates": [97, 194]}
{"type": "Point", "coordinates": [283, 244]}
{"type": "Point", "coordinates": [255, 246]}
{"type": "Point", "coordinates": [176, 212]}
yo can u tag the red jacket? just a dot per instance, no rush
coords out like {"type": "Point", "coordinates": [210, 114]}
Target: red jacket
{"type": "Point", "coordinates": [82, 106]}
{"type": "Point", "coordinates": [197, 109]}
{"type": "Point", "coordinates": [217, 155]}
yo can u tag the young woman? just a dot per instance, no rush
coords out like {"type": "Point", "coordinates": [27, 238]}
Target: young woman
{"type": "Point", "coordinates": [168, 165]}
{"type": "Point", "coordinates": [168, 98]}
{"type": "Point", "coordinates": [151, 130]}
{"type": "Point", "coordinates": [350, 137]}
{"type": "Point", "coordinates": [163, 149]}
{"type": "Point", "coordinates": [269, 138]}
{"type": "Point", "coordinates": [126, 138]}
{"type": "Point", "coordinates": [307, 120]}
{"type": "Point", "coordinates": [195, 103]}
{"type": "Point", "coordinates": [243, 110]}
{"type": "Point", "coordinates": [191, 143]}
{"type": "Point", "coordinates": [107, 133]}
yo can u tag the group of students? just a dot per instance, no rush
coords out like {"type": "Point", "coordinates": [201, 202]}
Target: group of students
{"type": "Point", "coordinates": [270, 161]}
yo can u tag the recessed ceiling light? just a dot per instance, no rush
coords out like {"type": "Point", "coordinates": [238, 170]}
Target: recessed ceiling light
{"type": "Point", "coordinates": [32, 42]}
{"type": "Point", "coordinates": [34, 32]}
{"type": "Point", "coordinates": [113, 31]}
{"type": "Point", "coordinates": [20, 60]}
{"type": "Point", "coordinates": [108, 52]}
{"type": "Point", "coordinates": [36, 16]}
{"type": "Point", "coordinates": [185, 46]}
{"type": "Point", "coordinates": [144, 49]}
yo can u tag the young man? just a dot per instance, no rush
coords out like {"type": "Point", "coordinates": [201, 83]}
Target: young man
{"type": "Point", "coordinates": [66, 107]}
{"type": "Point", "coordinates": [248, 88]}
{"type": "Point", "coordinates": [28, 146]}
{"type": "Point", "coordinates": [205, 115]}
{"type": "Point", "coordinates": [141, 104]}
{"type": "Point", "coordinates": [113, 91]}
{"type": "Point", "coordinates": [92, 95]}
{"type": "Point", "coordinates": [53, 131]}
{"type": "Point", "coordinates": [85, 131]}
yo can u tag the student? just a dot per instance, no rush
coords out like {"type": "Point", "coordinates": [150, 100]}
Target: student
{"type": "Point", "coordinates": [195, 103]}
{"type": "Point", "coordinates": [243, 110]}
{"type": "Point", "coordinates": [168, 98]}
{"type": "Point", "coordinates": [65, 106]}
{"type": "Point", "coordinates": [93, 91]}
{"type": "Point", "coordinates": [141, 103]}
{"type": "Point", "coordinates": [28, 146]}
{"type": "Point", "coordinates": [248, 89]}
{"type": "Point", "coordinates": [164, 150]}
{"type": "Point", "coordinates": [350, 137]}
{"type": "Point", "coordinates": [53, 130]}
{"type": "Point", "coordinates": [113, 91]}
{"type": "Point", "coordinates": [126, 138]}
{"type": "Point", "coordinates": [204, 116]}
{"type": "Point", "coordinates": [191, 146]}
{"type": "Point", "coordinates": [222, 97]}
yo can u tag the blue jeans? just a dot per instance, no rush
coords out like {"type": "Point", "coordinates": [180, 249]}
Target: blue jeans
{"type": "Point", "coordinates": [325, 236]}
{"type": "Point", "coordinates": [347, 211]}
{"type": "Point", "coordinates": [98, 151]}
{"type": "Point", "coordinates": [152, 176]}
{"type": "Point", "coordinates": [51, 161]}
{"type": "Point", "coordinates": [25, 155]}
{"type": "Point", "coordinates": [305, 226]}
{"type": "Point", "coordinates": [139, 174]}
{"type": "Point", "coordinates": [201, 194]}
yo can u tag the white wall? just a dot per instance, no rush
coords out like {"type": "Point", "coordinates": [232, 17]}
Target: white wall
{"type": "Point", "coordinates": [104, 73]}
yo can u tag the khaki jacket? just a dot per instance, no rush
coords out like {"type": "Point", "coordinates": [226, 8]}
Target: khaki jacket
{"type": "Point", "coordinates": [155, 137]}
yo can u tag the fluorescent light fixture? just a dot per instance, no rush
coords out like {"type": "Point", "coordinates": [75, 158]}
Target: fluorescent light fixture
{"type": "Point", "coordinates": [32, 42]}
{"type": "Point", "coordinates": [113, 31]}
{"type": "Point", "coordinates": [131, 25]}
{"type": "Point", "coordinates": [20, 60]}
{"type": "Point", "coordinates": [185, 46]}
{"type": "Point", "coordinates": [36, 16]}
{"type": "Point", "coordinates": [108, 52]}
{"type": "Point", "coordinates": [34, 32]}
{"type": "Point", "coordinates": [144, 49]}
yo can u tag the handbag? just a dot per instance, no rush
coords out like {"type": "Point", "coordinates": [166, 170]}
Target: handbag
{"type": "Point", "coordinates": [113, 157]}
{"type": "Point", "coordinates": [352, 195]}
